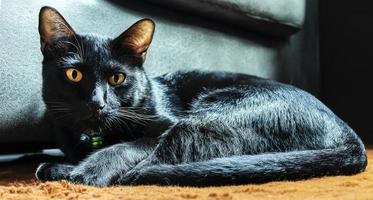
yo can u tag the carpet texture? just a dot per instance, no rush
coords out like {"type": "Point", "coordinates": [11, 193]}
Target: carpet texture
{"type": "Point", "coordinates": [17, 182]}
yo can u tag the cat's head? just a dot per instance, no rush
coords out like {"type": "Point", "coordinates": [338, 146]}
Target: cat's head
{"type": "Point", "coordinates": [89, 80]}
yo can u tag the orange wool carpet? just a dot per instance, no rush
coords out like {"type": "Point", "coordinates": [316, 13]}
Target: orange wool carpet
{"type": "Point", "coordinates": [17, 182]}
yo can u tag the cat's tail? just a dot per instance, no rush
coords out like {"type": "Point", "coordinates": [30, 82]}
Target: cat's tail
{"type": "Point", "coordinates": [343, 160]}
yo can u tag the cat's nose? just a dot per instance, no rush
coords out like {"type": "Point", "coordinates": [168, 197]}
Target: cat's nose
{"type": "Point", "coordinates": [97, 102]}
{"type": "Point", "coordinates": [95, 106]}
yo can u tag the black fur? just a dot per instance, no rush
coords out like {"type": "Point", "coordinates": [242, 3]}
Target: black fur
{"type": "Point", "coordinates": [186, 128]}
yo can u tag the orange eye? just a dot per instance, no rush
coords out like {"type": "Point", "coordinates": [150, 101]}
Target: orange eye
{"type": "Point", "coordinates": [116, 79]}
{"type": "Point", "coordinates": [74, 75]}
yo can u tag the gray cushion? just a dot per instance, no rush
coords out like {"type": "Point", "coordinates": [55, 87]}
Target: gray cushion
{"type": "Point", "coordinates": [275, 17]}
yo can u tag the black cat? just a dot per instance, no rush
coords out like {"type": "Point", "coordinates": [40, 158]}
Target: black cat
{"type": "Point", "coordinates": [184, 128]}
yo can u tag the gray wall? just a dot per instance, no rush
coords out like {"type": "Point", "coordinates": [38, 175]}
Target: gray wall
{"type": "Point", "coordinates": [181, 41]}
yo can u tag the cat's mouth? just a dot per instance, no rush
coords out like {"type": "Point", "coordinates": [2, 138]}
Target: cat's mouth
{"type": "Point", "coordinates": [101, 124]}
{"type": "Point", "coordinates": [93, 124]}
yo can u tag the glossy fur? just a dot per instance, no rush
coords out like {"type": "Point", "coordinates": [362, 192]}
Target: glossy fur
{"type": "Point", "coordinates": [185, 128]}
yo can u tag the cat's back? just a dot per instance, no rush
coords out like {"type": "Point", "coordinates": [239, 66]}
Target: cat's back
{"type": "Point", "coordinates": [185, 87]}
{"type": "Point", "coordinates": [202, 80]}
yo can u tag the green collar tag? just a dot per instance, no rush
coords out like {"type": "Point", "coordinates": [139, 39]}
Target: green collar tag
{"type": "Point", "coordinates": [96, 142]}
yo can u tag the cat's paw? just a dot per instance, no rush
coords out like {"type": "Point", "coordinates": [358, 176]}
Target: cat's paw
{"type": "Point", "coordinates": [93, 175]}
{"type": "Point", "coordinates": [52, 171]}
{"type": "Point", "coordinates": [99, 168]}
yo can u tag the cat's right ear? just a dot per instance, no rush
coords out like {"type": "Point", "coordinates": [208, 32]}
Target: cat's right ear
{"type": "Point", "coordinates": [52, 28]}
{"type": "Point", "coordinates": [136, 39]}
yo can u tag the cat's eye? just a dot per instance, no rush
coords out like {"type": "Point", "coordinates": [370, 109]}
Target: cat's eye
{"type": "Point", "coordinates": [74, 75]}
{"type": "Point", "coordinates": [116, 79]}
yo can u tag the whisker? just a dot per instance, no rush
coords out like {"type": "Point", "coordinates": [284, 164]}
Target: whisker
{"type": "Point", "coordinates": [132, 119]}
{"type": "Point", "coordinates": [139, 116]}
{"type": "Point", "coordinates": [118, 125]}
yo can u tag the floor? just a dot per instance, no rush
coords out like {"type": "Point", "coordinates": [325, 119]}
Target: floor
{"type": "Point", "coordinates": [17, 182]}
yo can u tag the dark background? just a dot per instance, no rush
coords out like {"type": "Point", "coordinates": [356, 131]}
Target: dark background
{"type": "Point", "coordinates": [346, 60]}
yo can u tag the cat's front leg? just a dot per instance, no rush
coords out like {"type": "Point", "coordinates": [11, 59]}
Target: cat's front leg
{"type": "Point", "coordinates": [99, 168]}
{"type": "Point", "coordinates": [53, 171]}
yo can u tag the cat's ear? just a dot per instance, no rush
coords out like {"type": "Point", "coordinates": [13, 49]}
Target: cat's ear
{"type": "Point", "coordinates": [136, 39]}
{"type": "Point", "coordinates": [52, 27]}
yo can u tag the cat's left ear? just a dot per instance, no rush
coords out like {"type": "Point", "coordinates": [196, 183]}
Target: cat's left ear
{"type": "Point", "coordinates": [52, 27]}
{"type": "Point", "coordinates": [136, 39]}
